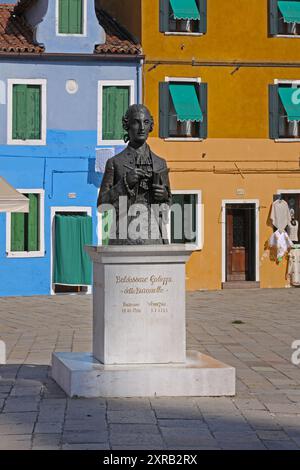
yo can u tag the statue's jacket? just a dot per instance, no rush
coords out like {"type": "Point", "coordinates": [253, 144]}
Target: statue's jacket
{"type": "Point", "coordinates": [113, 187]}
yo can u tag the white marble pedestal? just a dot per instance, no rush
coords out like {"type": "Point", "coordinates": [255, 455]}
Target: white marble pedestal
{"type": "Point", "coordinates": [139, 337]}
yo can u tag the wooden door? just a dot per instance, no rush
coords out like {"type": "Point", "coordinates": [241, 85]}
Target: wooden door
{"type": "Point", "coordinates": [236, 245]}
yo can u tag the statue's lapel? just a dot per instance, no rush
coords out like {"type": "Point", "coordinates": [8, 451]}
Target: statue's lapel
{"type": "Point", "coordinates": [157, 163]}
{"type": "Point", "coordinates": [130, 157]}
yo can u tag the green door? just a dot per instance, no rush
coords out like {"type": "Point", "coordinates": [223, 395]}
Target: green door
{"type": "Point", "coordinates": [72, 265]}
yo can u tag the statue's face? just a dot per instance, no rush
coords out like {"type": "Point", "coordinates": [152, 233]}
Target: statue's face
{"type": "Point", "coordinates": [139, 126]}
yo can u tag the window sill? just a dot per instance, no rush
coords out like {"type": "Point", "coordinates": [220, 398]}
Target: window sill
{"type": "Point", "coordinates": [183, 139]}
{"type": "Point", "coordinates": [189, 246]}
{"type": "Point", "coordinates": [288, 140]}
{"type": "Point", "coordinates": [72, 35]}
{"type": "Point", "coordinates": [26, 142]}
{"type": "Point", "coordinates": [293, 36]}
{"type": "Point", "coordinates": [182, 33]}
{"type": "Point", "coordinates": [110, 143]}
{"type": "Point", "coordinates": [25, 254]}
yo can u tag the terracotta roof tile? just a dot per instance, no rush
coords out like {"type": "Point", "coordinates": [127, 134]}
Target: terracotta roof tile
{"type": "Point", "coordinates": [17, 36]}
{"type": "Point", "coordinates": [118, 39]}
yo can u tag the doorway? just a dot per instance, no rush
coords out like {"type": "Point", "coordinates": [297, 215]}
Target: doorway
{"type": "Point", "coordinates": [70, 265]}
{"type": "Point", "coordinates": [240, 245]}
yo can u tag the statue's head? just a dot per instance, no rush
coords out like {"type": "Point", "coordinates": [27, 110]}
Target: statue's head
{"type": "Point", "coordinates": [138, 123]}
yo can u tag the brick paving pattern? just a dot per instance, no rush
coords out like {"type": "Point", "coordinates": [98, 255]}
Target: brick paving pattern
{"type": "Point", "coordinates": [251, 330]}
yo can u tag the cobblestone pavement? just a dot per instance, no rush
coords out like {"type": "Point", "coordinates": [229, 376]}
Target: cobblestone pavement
{"type": "Point", "coordinates": [249, 329]}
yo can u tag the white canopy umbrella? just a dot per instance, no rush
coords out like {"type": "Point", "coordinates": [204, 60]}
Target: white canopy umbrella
{"type": "Point", "coordinates": [11, 200]}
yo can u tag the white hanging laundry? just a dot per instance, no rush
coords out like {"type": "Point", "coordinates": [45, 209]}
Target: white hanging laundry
{"type": "Point", "coordinates": [294, 267]}
{"type": "Point", "coordinates": [293, 231]}
{"type": "Point", "coordinates": [282, 242]}
{"type": "Point", "coordinates": [280, 214]}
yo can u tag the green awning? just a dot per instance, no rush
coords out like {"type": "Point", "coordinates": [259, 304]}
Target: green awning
{"type": "Point", "coordinates": [290, 98]}
{"type": "Point", "coordinates": [290, 11]}
{"type": "Point", "coordinates": [185, 9]}
{"type": "Point", "coordinates": [186, 102]}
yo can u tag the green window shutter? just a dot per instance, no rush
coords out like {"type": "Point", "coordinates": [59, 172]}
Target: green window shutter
{"type": "Point", "coordinates": [273, 17]}
{"type": "Point", "coordinates": [107, 220]}
{"type": "Point", "coordinates": [177, 220]}
{"type": "Point", "coordinates": [19, 125]}
{"type": "Point", "coordinates": [164, 14]}
{"type": "Point", "coordinates": [187, 222]}
{"type": "Point", "coordinates": [115, 104]}
{"type": "Point", "coordinates": [17, 240]}
{"type": "Point", "coordinates": [33, 223]}
{"type": "Point", "coordinates": [203, 104]}
{"type": "Point", "coordinates": [33, 111]}
{"type": "Point", "coordinates": [273, 112]}
{"type": "Point", "coordinates": [203, 16]}
{"type": "Point", "coordinates": [75, 17]}
{"type": "Point", "coordinates": [63, 16]}
{"type": "Point", "coordinates": [164, 104]}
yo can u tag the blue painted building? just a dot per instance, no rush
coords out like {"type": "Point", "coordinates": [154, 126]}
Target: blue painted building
{"type": "Point", "coordinates": [67, 73]}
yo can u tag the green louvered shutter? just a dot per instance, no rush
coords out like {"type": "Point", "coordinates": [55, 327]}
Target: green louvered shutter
{"type": "Point", "coordinates": [17, 232]}
{"type": "Point", "coordinates": [75, 17]}
{"type": "Point", "coordinates": [64, 16]}
{"type": "Point", "coordinates": [273, 112]}
{"type": "Point", "coordinates": [203, 16]}
{"type": "Point", "coordinates": [273, 17]}
{"type": "Point", "coordinates": [164, 105]}
{"type": "Point", "coordinates": [115, 104]}
{"type": "Point", "coordinates": [33, 223]}
{"type": "Point", "coordinates": [107, 220]}
{"type": "Point", "coordinates": [19, 125]}
{"type": "Point", "coordinates": [33, 111]}
{"type": "Point", "coordinates": [203, 105]}
{"type": "Point", "coordinates": [186, 221]}
{"type": "Point", "coordinates": [70, 16]}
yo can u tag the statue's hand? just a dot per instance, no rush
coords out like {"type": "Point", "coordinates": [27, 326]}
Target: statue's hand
{"type": "Point", "coordinates": [160, 192]}
{"type": "Point", "coordinates": [133, 177]}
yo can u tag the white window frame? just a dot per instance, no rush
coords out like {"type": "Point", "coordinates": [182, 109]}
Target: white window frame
{"type": "Point", "coordinates": [25, 81]}
{"type": "Point", "coordinates": [84, 26]}
{"type": "Point", "coordinates": [257, 234]}
{"type": "Point", "coordinates": [183, 80]}
{"type": "Point", "coordinates": [199, 220]}
{"type": "Point", "coordinates": [85, 210]}
{"type": "Point", "coordinates": [101, 85]}
{"type": "Point", "coordinates": [278, 81]}
{"type": "Point", "coordinates": [28, 254]}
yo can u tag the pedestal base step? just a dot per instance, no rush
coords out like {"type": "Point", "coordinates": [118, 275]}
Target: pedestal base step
{"type": "Point", "coordinates": [81, 375]}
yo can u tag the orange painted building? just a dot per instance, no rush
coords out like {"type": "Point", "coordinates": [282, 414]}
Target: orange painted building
{"type": "Point", "coordinates": [234, 143]}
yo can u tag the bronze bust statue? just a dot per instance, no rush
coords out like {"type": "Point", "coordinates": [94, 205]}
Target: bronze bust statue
{"type": "Point", "coordinates": [141, 177]}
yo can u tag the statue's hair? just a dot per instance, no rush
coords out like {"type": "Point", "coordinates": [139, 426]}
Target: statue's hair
{"type": "Point", "coordinates": [133, 109]}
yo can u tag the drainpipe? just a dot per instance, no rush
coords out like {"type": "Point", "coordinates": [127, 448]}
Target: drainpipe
{"type": "Point", "coordinates": [139, 71]}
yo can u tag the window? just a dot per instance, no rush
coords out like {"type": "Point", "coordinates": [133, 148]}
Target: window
{"type": "Point", "coordinates": [185, 224]}
{"type": "Point", "coordinates": [183, 16]}
{"type": "Point", "coordinates": [284, 104]}
{"type": "Point", "coordinates": [114, 99]}
{"type": "Point", "coordinates": [25, 231]}
{"type": "Point", "coordinates": [284, 17]}
{"type": "Point", "coordinates": [70, 16]}
{"type": "Point", "coordinates": [183, 109]}
{"type": "Point", "coordinates": [27, 112]}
